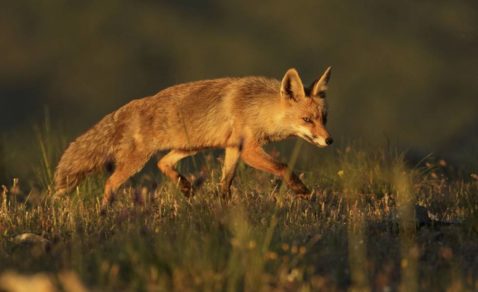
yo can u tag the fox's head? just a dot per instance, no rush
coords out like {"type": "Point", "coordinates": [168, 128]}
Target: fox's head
{"type": "Point", "coordinates": [305, 111]}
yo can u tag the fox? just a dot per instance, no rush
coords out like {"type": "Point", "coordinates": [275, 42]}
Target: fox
{"type": "Point", "coordinates": [238, 114]}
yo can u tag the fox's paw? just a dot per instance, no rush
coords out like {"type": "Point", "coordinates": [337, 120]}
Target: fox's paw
{"type": "Point", "coordinates": [103, 211]}
{"type": "Point", "coordinates": [106, 203]}
{"type": "Point", "coordinates": [304, 196]}
{"type": "Point", "coordinates": [300, 190]}
{"type": "Point", "coordinates": [197, 181]}
{"type": "Point", "coordinates": [188, 192]}
{"type": "Point", "coordinates": [185, 187]}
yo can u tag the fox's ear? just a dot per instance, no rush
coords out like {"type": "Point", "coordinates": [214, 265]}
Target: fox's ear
{"type": "Point", "coordinates": [292, 87]}
{"type": "Point", "coordinates": [319, 87]}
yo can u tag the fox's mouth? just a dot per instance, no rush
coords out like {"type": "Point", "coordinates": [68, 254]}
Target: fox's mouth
{"type": "Point", "coordinates": [308, 139]}
{"type": "Point", "coordinates": [314, 141]}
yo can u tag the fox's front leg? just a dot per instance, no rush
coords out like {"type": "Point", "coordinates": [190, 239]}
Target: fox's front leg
{"type": "Point", "coordinates": [231, 158]}
{"type": "Point", "coordinates": [256, 157]}
{"type": "Point", "coordinates": [167, 166]}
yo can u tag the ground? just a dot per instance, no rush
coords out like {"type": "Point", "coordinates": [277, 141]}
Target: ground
{"type": "Point", "coordinates": [373, 222]}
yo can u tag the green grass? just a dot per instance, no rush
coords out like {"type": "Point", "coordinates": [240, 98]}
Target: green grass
{"type": "Point", "coordinates": [359, 231]}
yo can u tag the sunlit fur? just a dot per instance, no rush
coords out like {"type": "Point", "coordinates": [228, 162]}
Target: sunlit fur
{"type": "Point", "coordinates": [237, 114]}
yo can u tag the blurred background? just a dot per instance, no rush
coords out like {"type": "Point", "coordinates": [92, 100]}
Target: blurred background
{"type": "Point", "coordinates": [404, 72]}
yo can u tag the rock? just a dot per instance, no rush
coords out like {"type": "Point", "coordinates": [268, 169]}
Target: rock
{"type": "Point", "coordinates": [37, 243]}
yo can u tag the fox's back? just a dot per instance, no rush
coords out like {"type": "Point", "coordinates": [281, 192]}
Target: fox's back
{"type": "Point", "coordinates": [206, 113]}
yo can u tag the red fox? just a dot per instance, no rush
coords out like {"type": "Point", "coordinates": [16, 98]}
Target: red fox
{"type": "Point", "coordinates": [237, 114]}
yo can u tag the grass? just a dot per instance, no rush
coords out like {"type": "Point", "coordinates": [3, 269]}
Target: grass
{"type": "Point", "coordinates": [360, 231]}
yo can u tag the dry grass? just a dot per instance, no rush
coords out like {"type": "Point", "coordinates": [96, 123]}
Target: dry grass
{"type": "Point", "coordinates": [362, 230]}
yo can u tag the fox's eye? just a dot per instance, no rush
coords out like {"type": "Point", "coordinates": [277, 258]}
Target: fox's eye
{"type": "Point", "coordinates": [307, 120]}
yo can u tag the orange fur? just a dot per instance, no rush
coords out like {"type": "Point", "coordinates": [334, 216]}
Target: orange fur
{"type": "Point", "coordinates": [237, 114]}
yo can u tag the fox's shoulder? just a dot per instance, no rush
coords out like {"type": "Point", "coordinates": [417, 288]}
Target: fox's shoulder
{"type": "Point", "coordinates": [257, 85]}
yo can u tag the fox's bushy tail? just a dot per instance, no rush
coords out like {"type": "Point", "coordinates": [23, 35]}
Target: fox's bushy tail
{"type": "Point", "coordinates": [88, 153]}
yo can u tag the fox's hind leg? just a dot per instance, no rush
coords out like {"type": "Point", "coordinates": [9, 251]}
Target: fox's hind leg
{"type": "Point", "coordinates": [231, 158]}
{"type": "Point", "coordinates": [256, 157]}
{"type": "Point", "coordinates": [126, 166]}
{"type": "Point", "coordinates": [167, 166]}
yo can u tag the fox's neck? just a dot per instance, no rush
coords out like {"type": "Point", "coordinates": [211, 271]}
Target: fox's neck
{"type": "Point", "coordinates": [270, 126]}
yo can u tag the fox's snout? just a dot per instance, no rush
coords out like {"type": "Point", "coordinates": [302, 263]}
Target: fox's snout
{"type": "Point", "coordinates": [321, 139]}
{"type": "Point", "coordinates": [323, 142]}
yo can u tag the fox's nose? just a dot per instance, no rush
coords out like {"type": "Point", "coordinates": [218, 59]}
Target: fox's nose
{"type": "Point", "coordinates": [329, 141]}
